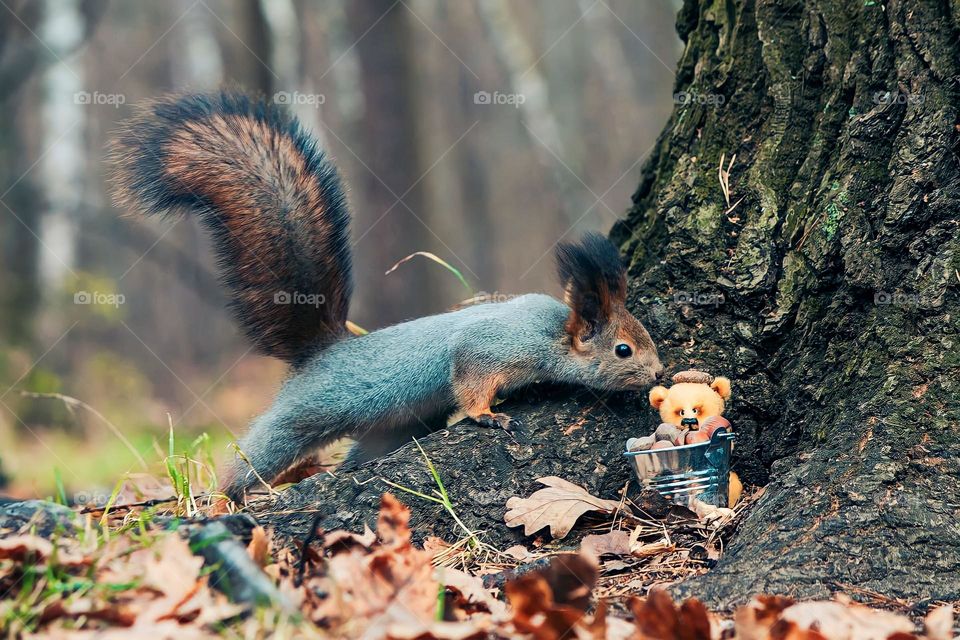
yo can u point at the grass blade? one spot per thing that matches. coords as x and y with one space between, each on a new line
438 260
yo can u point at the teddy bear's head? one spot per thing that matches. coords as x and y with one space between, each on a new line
693 397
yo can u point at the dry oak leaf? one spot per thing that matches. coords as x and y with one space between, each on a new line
847 621
558 507
34 549
549 604
939 623
259 547
767 617
657 618
612 543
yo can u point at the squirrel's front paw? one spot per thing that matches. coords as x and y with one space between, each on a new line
501 420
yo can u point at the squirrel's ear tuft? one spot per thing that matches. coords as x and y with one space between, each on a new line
594 282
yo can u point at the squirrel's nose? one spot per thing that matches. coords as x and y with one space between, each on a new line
659 374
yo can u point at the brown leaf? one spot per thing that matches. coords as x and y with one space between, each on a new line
35 550
753 620
939 623
777 618
550 602
518 552
393 525
657 618
597 627
259 547
535 612
172 571
117 614
472 630
614 543
372 588
558 507
337 541
846 621
470 594
571 578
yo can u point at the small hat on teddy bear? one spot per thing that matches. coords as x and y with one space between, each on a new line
694 376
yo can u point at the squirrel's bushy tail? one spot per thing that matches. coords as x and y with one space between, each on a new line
271 200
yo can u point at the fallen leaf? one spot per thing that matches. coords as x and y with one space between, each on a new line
651 549
259 547
172 571
36 550
393 524
657 618
939 623
754 620
377 587
571 577
518 552
614 543
852 621
473 596
536 613
596 628
336 541
441 630
767 617
613 566
559 506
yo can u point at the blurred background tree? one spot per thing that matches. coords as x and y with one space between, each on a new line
483 131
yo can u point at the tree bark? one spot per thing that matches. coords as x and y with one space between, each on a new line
828 294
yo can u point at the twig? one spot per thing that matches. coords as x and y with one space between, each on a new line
724 176
144 503
71 402
311 536
244 457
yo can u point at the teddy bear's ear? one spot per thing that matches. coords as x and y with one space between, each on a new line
722 386
657 396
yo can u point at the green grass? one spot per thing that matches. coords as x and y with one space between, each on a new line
440 496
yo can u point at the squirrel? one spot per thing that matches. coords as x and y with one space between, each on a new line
276 210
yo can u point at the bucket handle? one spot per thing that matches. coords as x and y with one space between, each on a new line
715 448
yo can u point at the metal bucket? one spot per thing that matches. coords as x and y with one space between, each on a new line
685 473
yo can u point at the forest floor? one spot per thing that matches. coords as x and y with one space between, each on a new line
153 566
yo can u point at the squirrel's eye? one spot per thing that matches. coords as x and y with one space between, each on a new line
623 350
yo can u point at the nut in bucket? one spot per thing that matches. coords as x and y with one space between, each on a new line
687 472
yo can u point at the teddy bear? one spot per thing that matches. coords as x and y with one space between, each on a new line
690 411
694 397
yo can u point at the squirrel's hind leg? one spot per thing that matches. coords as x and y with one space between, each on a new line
274 443
474 393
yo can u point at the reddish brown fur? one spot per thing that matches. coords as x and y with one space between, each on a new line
475 393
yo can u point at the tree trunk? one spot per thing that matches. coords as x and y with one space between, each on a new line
828 294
